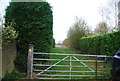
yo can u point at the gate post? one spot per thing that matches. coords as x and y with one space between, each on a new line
96 67
30 61
105 69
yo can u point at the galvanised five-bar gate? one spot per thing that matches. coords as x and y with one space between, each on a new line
67 66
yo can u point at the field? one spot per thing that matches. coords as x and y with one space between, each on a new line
74 67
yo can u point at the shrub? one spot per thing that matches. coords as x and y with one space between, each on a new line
34 22
14 76
53 43
9 34
106 44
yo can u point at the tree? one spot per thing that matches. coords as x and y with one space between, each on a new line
65 43
119 15
78 30
0 20
0 29
109 14
101 28
113 8
34 23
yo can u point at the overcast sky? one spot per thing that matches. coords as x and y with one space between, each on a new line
65 11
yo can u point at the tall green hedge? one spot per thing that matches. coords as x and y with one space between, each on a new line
34 23
106 44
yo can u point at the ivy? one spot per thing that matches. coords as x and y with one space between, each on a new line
9 34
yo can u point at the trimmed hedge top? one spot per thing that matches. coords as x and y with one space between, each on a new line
106 44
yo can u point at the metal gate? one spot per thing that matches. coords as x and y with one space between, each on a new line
67 66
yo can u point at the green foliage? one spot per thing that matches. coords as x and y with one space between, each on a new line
106 44
53 43
9 34
12 76
78 30
34 22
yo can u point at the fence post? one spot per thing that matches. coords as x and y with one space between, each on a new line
105 68
30 61
70 67
96 67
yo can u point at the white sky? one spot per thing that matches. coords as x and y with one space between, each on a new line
65 11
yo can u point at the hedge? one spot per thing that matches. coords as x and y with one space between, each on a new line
106 44
34 23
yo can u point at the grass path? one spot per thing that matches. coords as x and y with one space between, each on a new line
63 50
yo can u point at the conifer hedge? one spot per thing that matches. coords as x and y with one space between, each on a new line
34 23
106 44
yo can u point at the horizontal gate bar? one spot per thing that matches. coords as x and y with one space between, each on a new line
73 79
64 79
69 54
66 71
58 79
70 75
64 65
69 60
